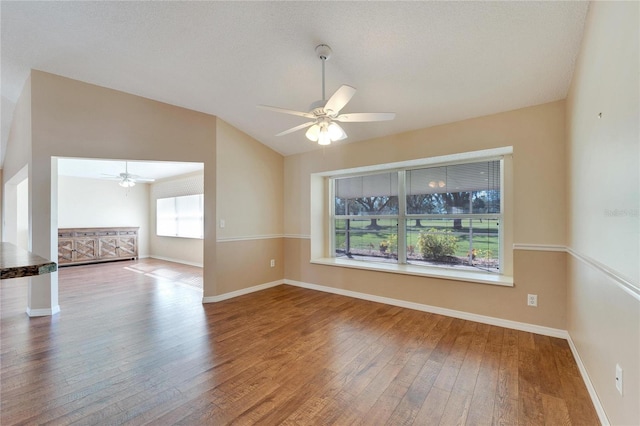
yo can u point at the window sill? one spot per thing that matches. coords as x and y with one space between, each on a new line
421 271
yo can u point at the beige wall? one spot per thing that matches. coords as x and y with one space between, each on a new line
537 213
176 249
249 186
74 119
250 183
86 203
537 137
603 223
246 263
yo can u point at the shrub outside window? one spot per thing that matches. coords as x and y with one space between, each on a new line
438 216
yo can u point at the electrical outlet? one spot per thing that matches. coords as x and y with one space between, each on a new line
273 263
619 378
222 223
532 299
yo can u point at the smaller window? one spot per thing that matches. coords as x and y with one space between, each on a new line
180 216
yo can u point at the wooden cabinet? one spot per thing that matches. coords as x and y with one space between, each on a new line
89 245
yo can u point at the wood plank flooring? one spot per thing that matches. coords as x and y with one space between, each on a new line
134 345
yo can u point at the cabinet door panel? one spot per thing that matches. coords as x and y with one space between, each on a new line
108 247
65 250
128 247
86 249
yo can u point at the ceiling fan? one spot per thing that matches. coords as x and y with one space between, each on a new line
128 180
324 113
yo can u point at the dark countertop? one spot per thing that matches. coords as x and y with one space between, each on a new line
16 262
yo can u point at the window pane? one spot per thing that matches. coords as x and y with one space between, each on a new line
188 206
190 228
367 195
166 224
461 243
456 189
367 239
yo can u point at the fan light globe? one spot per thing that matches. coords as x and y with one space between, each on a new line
336 133
313 133
324 138
127 183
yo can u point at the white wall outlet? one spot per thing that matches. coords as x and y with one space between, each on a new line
222 223
273 263
532 299
619 378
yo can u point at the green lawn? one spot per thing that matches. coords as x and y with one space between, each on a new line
485 234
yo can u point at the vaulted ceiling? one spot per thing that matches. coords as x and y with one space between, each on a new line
429 62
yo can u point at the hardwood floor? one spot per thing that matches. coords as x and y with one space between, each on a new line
134 345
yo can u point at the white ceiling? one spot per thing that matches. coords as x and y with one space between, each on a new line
102 169
430 62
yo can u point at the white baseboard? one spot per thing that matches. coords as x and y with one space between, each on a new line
169 259
43 312
587 381
231 295
532 328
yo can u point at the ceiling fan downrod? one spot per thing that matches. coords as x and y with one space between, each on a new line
324 52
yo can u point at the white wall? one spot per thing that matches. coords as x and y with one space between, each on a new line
176 249
1 201
603 220
22 215
15 221
85 203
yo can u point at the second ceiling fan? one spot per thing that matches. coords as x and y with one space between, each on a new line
324 113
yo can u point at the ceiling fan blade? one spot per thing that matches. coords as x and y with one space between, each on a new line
287 111
359 117
338 100
294 129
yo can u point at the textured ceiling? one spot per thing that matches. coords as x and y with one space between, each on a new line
430 62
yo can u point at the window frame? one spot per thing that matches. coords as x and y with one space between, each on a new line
402 216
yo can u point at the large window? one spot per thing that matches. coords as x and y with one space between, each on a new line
444 216
180 216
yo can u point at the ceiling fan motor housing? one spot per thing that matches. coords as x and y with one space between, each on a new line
323 51
317 108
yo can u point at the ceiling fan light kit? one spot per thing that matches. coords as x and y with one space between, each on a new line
324 113
127 183
325 132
